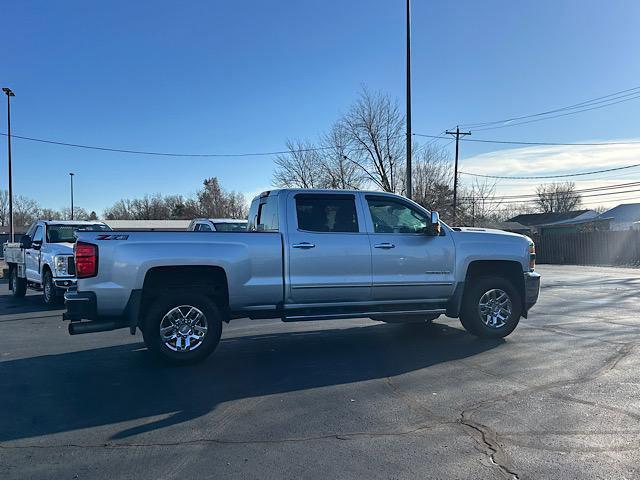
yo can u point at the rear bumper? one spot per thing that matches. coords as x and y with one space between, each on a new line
79 305
83 306
64 282
531 289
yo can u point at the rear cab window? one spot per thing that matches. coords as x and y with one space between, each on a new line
334 213
263 215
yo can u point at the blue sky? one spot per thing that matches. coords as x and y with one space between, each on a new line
242 76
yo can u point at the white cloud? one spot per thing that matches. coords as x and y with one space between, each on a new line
556 160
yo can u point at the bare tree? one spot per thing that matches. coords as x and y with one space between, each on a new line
373 129
479 205
338 170
4 207
25 210
49 214
558 197
301 167
432 180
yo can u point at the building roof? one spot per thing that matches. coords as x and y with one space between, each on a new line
148 224
535 219
626 212
220 220
512 226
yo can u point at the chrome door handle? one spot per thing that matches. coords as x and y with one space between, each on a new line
303 245
384 245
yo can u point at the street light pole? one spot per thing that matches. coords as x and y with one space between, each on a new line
409 188
9 94
71 175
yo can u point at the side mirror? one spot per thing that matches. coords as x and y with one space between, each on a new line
25 241
434 227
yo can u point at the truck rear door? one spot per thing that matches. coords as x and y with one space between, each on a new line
328 251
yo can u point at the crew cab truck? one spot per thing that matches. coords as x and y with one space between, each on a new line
43 259
306 255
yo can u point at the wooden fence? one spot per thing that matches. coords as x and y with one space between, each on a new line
589 248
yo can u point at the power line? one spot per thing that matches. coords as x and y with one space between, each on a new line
508 142
557 116
164 154
539 177
501 201
612 97
580 191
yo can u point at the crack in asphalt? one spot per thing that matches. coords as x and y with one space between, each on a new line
331 436
488 438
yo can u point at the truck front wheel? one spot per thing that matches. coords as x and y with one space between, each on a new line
18 285
182 328
491 307
50 292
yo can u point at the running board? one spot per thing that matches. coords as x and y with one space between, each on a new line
338 316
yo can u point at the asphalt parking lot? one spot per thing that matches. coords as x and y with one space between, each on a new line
559 398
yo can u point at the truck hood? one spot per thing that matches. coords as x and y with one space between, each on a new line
60 248
487 231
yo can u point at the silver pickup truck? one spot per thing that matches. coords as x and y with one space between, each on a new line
306 255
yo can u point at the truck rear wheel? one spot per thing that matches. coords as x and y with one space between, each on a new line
491 307
182 328
18 285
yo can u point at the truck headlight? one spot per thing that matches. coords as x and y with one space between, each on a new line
60 263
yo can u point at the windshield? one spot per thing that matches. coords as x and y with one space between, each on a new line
231 227
67 233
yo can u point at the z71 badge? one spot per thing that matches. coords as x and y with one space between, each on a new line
112 237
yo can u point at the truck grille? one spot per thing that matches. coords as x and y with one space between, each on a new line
71 266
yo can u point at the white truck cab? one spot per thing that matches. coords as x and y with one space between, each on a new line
43 259
217 225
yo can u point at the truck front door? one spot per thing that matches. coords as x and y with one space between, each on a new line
407 263
32 255
328 251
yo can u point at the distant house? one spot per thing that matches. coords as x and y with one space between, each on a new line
148 224
623 217
535 222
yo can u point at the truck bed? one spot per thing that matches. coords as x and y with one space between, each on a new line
252 262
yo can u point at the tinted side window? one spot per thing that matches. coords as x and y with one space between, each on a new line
327 213
38 235
392 216
268 215
205 228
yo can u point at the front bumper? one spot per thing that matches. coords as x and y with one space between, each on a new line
531 289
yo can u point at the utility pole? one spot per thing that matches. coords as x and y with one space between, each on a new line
71 175
458 134
9 94
409 189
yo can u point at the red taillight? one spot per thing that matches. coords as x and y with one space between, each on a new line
86 255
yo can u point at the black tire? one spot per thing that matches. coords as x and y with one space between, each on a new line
470 313
161 306
50 292
18 285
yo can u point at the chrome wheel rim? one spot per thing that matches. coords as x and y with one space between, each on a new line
495 308
183 328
